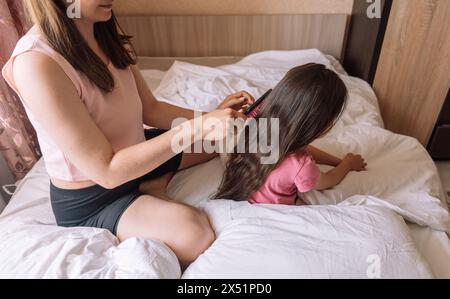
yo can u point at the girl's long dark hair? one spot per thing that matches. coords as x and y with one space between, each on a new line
63 36
307 102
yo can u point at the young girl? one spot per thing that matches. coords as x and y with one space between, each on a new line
307 102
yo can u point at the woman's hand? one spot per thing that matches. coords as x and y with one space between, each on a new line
355 162
217 124
237 101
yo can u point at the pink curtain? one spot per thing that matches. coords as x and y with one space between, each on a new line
18 143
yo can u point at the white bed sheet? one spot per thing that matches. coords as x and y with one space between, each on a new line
415 196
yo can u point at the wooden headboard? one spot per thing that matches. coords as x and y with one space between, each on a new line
231 7
234 28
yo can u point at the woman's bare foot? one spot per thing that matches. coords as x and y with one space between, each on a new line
157 187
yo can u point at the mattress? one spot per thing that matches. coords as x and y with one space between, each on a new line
390 222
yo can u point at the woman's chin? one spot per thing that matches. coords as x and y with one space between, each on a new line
99 18
104 15
106 18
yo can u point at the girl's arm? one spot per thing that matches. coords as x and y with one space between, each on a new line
336 175
55 103
161 115
322 157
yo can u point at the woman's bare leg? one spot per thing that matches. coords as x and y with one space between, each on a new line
157 187
184 229
192 159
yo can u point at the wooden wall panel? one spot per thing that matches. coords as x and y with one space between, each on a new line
164 63
190 36
230 7
413 74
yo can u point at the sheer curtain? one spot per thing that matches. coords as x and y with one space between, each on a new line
18 143
2 203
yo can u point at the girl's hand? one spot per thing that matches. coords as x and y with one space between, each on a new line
216 124
237 101
355 162
335 176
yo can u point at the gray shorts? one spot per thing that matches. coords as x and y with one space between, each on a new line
99 207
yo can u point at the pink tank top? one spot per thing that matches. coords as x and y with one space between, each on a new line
118 114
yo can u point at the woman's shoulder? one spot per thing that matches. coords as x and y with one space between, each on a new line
32 52
33 63
32 39
32 44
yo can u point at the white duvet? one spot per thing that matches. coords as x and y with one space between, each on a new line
355 230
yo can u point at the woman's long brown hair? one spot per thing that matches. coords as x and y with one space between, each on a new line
63 36
307 102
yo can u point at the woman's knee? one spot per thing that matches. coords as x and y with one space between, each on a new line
198 235
186 230
206 231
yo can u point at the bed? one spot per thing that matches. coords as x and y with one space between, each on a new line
389 222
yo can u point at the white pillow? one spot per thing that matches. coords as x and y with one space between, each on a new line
399 171
397 165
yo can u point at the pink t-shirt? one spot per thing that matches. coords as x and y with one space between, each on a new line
297 173
118 114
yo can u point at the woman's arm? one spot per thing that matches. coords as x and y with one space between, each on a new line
322 157
157 114
55 103
161 115
336 175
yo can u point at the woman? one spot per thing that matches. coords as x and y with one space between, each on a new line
88 102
